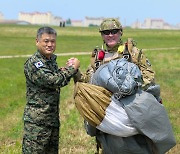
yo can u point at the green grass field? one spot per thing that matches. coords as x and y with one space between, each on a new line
20 40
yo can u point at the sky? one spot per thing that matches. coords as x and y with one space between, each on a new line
128 11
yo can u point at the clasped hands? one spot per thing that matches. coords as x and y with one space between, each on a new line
73 62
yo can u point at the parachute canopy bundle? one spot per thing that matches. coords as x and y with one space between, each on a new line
91 101
115 105
95 106
119 76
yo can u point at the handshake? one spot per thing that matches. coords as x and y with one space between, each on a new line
73 62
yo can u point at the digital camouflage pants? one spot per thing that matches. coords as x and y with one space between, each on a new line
40 139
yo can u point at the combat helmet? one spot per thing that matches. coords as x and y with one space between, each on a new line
110 23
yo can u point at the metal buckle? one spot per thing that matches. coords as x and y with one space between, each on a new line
97 64
126 56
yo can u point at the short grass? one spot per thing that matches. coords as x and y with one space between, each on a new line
21 40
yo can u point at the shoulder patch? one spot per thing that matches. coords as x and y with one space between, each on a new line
38 64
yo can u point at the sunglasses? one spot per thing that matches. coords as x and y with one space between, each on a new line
107 32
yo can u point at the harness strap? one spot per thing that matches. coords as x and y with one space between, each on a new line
98 146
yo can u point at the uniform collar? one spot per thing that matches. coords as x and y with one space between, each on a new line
43 58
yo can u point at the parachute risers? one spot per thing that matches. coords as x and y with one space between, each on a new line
91 102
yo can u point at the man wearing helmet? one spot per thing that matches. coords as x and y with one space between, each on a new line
111 32
113 47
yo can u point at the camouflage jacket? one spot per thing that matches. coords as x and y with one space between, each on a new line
43 82
135 55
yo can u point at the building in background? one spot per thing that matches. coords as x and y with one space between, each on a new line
38 18
87 22
152 24
47 18
91 21
76 23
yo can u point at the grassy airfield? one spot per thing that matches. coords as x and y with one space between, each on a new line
161 47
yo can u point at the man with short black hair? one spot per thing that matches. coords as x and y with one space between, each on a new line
43 82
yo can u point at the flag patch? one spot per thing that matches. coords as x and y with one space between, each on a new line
39 64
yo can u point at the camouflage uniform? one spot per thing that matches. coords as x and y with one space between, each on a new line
130 52
111 144
41 114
